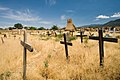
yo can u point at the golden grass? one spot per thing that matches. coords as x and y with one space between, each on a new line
48 60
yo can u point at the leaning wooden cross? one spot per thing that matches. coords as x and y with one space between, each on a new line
2 40
81 36
26 47
66 47
101 44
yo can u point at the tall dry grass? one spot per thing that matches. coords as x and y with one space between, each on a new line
48 60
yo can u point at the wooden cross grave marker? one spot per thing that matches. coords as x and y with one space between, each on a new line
66 47
81 36
2 40
26 47
101 44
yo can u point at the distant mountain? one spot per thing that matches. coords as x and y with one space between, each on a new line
93 25
110 24
113 23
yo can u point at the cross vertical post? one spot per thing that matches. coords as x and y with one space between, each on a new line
81 37
24 57
66 48
101 47
26 47
2 40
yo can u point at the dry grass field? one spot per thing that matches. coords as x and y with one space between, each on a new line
48 61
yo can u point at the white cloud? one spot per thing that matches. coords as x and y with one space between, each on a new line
50 2
45 22
63 17
3 8
116 15
102 17
25 15
70 11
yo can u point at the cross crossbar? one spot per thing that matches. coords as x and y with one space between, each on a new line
68 43
27 46
104 39
80 35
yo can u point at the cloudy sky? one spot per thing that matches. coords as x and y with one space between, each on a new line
55 12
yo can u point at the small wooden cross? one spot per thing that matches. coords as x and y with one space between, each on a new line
101 44
2 40
26 47
66 48
81 36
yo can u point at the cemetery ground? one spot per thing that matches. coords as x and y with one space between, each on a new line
48 60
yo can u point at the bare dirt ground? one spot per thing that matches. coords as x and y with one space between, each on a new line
48 60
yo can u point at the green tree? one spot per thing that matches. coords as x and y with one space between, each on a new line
26 27
41 28
32 28
18 26
10 28
54 27
1 28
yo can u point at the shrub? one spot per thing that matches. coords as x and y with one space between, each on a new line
59 37
118 36
71 38
86 40
5 75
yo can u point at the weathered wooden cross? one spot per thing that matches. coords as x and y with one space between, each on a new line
26 47
101 44
66 48
81 36
2 40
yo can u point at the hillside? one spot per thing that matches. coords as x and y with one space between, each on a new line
110 24
113 23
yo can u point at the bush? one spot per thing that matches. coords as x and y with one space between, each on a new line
32 28
5 75
46 38
54 27
71 38
118 36
86 40
59 37
41 28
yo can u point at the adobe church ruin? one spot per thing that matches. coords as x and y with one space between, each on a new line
70 26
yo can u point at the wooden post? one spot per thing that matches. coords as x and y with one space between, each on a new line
101 49
81 37
2 40
24 57
66 47
14 36
72 33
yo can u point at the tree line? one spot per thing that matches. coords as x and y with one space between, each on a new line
20 26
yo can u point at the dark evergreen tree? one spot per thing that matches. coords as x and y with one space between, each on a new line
41 28
18 26
54 27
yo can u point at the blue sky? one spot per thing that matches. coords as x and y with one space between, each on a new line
56 12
